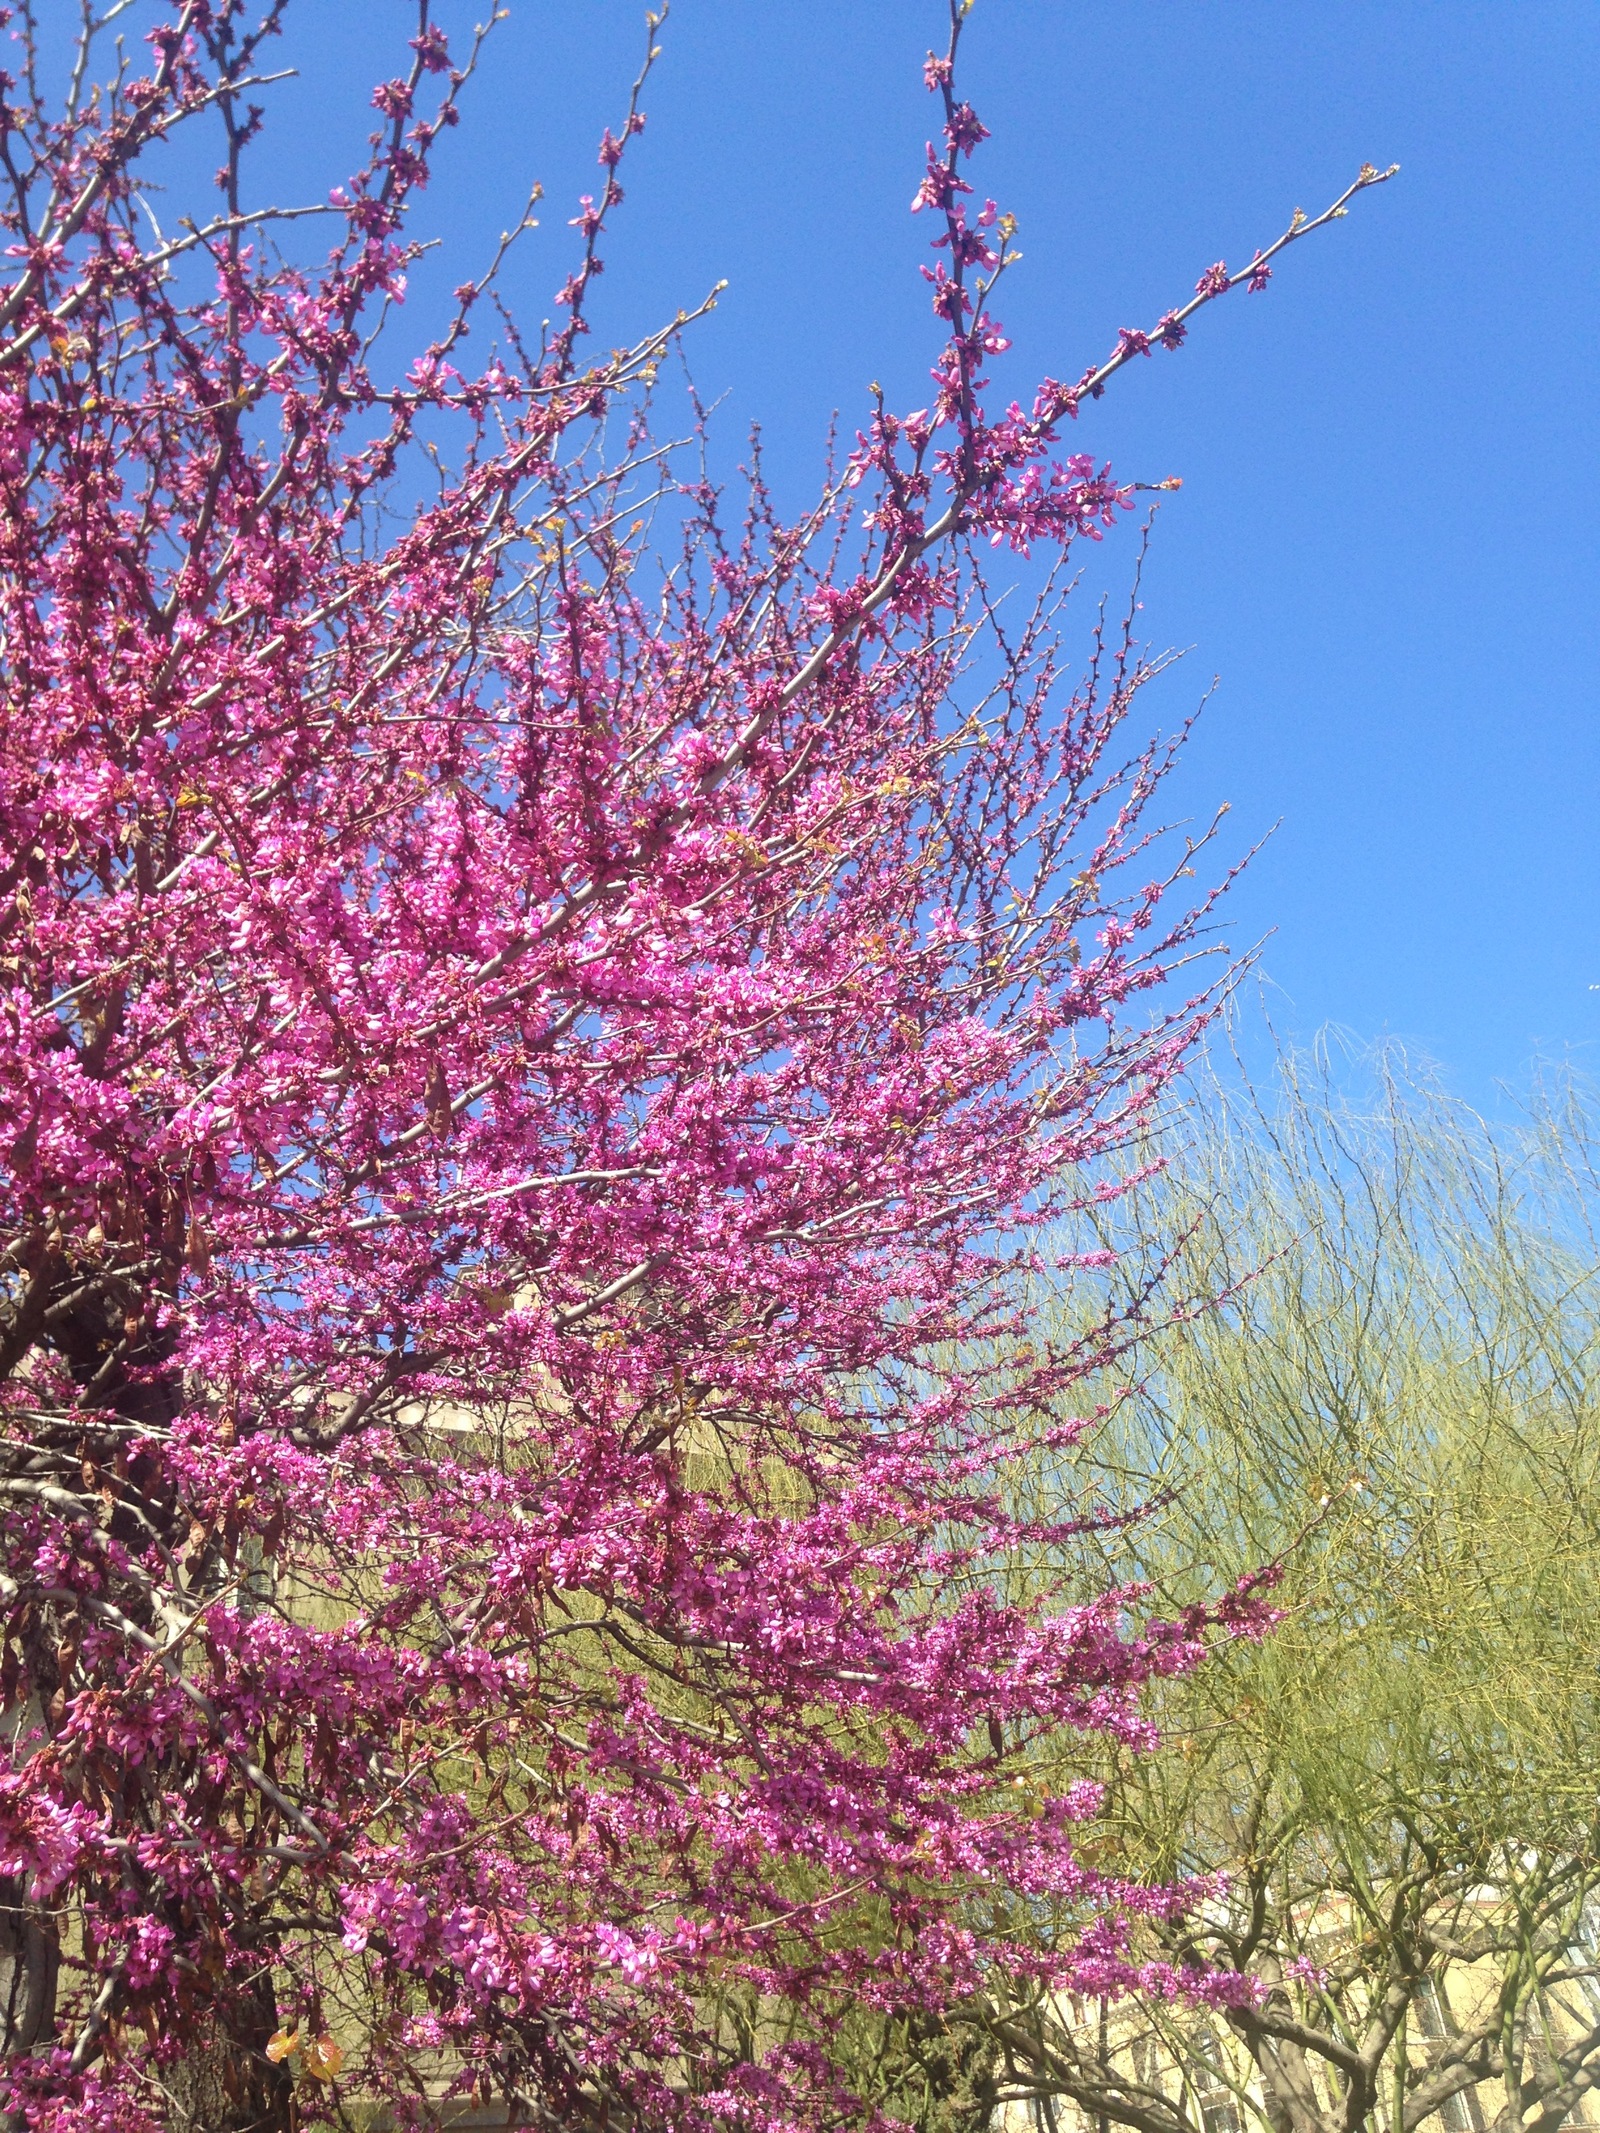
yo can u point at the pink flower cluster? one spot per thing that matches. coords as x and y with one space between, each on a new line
521 1053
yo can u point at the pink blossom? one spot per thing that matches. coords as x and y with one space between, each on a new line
544 1015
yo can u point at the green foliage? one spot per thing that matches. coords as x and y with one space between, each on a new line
936 2074
1399 1400
1387 1383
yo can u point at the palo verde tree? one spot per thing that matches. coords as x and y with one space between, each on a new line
1398 1791
525 1015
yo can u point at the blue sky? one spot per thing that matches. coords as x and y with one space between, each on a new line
1385 546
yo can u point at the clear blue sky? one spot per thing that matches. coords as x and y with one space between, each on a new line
1386 541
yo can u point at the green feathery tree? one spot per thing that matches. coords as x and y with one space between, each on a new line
1393 1801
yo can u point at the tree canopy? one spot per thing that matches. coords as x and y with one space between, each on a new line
537 997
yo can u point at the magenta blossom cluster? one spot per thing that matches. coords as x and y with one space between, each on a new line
537 1022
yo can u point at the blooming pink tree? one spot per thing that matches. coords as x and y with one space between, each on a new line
533 1013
